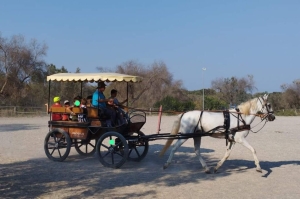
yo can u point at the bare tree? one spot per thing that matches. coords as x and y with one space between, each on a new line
157 83
233 90
18 62
291 94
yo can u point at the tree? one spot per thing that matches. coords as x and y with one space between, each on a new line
157 84
291 94
19 61
233 90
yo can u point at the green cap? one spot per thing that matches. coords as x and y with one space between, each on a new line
77 103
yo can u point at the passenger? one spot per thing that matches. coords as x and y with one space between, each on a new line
113 94
83 117
76 103
89 101
99 101
118 105
56 116
111 108
66 116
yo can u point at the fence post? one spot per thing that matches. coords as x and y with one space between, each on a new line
159 118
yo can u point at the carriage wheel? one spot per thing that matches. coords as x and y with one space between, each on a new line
138 148
112 149
85 147
57 145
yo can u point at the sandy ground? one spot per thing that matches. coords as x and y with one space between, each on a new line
26 172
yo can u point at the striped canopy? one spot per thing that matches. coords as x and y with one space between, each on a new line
94 77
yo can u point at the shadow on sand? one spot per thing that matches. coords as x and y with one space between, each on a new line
81 177
17 127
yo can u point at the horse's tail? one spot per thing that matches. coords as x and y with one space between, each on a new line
174 131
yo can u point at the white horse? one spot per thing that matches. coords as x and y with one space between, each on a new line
234 125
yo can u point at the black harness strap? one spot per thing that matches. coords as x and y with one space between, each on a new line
226 125
199 121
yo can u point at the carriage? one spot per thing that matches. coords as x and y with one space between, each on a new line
113 145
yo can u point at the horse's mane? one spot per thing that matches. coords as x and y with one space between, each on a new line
245 107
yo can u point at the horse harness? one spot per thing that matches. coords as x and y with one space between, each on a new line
226 126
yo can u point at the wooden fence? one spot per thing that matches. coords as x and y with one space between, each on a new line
13 111
21 111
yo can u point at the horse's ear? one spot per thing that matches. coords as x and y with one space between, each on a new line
265 97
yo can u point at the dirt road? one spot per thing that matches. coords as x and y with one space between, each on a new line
26 172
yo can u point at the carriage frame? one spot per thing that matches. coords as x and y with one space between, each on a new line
113 145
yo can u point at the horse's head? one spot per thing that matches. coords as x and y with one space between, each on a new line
265 108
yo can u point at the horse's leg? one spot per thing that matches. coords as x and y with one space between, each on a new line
245 143
197 142
228 151
174 149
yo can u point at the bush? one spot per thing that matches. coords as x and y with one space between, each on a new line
172 104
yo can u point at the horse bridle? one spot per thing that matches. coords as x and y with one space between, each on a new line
264 116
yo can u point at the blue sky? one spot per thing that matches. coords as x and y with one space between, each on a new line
228 38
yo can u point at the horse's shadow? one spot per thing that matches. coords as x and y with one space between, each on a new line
230 164
265 165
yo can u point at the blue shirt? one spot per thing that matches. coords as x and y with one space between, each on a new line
96 96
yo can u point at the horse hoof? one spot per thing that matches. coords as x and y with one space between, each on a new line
165 166
207 171
215 170
259 170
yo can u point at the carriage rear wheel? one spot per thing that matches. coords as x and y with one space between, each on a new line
138 148
85 147
112 149
57 145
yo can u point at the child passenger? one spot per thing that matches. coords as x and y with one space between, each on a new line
66 116
56 116
83 116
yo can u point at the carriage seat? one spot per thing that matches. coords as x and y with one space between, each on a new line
94 113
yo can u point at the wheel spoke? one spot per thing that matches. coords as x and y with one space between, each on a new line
52 151
86 148
112 158
130 150
137 152
59 153
118 144
104 146
51 143
106 154
121 155
92 145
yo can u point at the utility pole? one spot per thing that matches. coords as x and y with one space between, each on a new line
203 69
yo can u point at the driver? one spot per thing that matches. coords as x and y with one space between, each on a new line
99 101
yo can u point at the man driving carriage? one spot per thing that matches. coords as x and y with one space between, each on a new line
99 101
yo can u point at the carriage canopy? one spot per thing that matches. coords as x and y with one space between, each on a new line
93 77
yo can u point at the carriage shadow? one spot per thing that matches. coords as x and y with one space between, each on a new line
17 127
82 177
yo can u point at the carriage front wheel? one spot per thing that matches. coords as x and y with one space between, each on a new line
138 147
57 145
112 149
